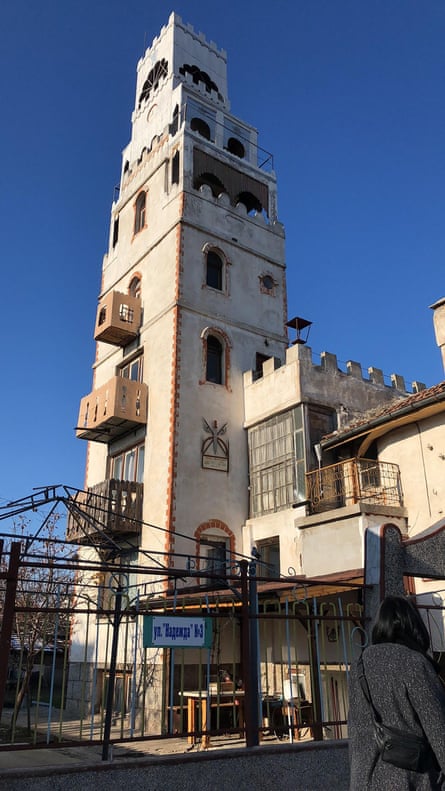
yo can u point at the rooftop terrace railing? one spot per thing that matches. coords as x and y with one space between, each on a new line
353 481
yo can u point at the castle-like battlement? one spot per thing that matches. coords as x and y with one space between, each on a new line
301 380
176 19
329 364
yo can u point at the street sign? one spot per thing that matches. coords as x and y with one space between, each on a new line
177 631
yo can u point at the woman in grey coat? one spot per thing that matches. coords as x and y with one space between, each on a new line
408 694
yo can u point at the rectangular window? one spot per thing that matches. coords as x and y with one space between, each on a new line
140 464
277 462
269 563
115 231
126 314
259 360
129 465
175 168
133 370
214 556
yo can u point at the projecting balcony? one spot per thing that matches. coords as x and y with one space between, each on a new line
110 508
118 319
112 409
353 481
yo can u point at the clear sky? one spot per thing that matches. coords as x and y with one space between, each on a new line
348 95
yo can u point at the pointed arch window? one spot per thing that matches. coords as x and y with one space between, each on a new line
140 211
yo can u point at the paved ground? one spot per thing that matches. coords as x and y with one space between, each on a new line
70 755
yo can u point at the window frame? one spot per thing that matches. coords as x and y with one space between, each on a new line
211 250
140 212
128 459
265 547
217 357
132 369
134 287
277 462
215 544
214 266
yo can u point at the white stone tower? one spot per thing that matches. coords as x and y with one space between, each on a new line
193 294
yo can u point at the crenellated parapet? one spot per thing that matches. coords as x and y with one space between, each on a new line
302 379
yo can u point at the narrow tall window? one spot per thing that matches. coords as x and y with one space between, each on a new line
216 560
134 288
115 231
175 168
139 214
214 362
214 276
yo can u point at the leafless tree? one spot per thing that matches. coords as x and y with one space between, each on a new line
45 592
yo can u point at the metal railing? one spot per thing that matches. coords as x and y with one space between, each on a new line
353 481
275 665
112 506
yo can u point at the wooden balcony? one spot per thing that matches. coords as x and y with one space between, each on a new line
112 410
111 508
353 481
118 319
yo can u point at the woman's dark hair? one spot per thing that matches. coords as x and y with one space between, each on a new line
398 621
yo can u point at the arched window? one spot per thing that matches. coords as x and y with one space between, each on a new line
250 201
200 126
139 212
214 360
158 72
214 270
236 147
134 289
211 181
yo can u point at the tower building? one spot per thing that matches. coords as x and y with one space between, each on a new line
193 294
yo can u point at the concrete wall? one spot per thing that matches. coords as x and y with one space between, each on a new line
299 379
298 767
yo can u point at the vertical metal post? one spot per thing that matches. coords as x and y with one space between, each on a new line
8 618
249 690
254 711
112 675
317 700
135 667
53 667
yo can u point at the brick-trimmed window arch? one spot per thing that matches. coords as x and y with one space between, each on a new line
134 287
215 356
215 546
216 268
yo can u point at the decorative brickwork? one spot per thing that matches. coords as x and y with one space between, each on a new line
175 387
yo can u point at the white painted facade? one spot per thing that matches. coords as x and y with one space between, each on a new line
176 107
332 542
196 168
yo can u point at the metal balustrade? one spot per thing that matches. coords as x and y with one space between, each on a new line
353 481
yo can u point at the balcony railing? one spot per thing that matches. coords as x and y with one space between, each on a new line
118 319
110 508
353 481
112 409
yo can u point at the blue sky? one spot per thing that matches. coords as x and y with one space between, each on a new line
348 95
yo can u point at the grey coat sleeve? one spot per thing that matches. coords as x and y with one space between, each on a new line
427 696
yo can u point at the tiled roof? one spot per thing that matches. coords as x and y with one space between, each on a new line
414 402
